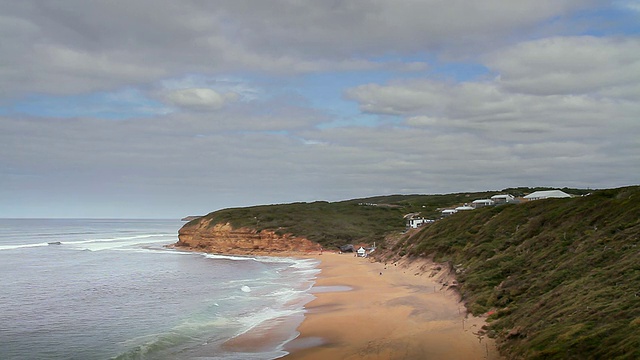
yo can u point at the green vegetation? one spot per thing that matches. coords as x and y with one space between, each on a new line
561 275
329 224
352 221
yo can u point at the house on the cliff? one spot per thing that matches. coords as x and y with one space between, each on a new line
547 194
448 212
501 199
482 203
464 207
415 223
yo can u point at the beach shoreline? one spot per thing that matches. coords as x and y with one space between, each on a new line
364 309
372 310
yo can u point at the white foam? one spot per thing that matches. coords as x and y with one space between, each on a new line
98 245
112 239
228 257
277 259
151 250
265 314
21 246
291 297
305 263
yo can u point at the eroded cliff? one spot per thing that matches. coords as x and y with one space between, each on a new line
224 239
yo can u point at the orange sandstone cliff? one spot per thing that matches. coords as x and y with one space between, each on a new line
224 239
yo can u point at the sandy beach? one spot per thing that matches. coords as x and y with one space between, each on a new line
369 310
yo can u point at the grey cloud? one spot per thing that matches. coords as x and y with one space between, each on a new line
199 98
442 161
551 118
179 162
545 136
185 164
74 46
400 98
569 65
489 108
346 27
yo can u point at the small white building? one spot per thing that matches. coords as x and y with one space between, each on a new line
503 199
482 203
465 207
539 195
447 212
361 252
415 223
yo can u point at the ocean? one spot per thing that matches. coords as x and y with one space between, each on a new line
109 289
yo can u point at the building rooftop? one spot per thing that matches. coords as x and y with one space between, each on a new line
547 194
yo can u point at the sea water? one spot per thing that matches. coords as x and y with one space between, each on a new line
109 289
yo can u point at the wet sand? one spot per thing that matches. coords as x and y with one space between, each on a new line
369 310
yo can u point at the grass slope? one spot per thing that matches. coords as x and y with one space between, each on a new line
330 224
338 223
563 275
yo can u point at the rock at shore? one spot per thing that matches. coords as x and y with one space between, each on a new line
223 238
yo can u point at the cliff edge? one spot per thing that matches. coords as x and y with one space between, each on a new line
222 238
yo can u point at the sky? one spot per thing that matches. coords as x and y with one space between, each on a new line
162 109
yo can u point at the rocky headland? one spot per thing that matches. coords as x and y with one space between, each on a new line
201 235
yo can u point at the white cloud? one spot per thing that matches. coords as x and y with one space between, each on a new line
365 27
400 98
633 5
569 65
562 87
422 120
489 109
73 46
200 98
237 89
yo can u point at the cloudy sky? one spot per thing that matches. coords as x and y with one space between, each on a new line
160 108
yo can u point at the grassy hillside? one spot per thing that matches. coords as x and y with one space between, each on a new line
330 224
562 275
359 220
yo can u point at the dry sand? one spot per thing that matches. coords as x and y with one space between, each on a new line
369 310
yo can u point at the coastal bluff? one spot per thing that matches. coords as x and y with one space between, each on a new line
556 278
223 238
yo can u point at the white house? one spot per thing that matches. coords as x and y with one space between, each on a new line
415 223
361 252
503 199
464 208
538 195
482 203
447 212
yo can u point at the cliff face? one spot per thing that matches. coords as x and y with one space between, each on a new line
224 239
